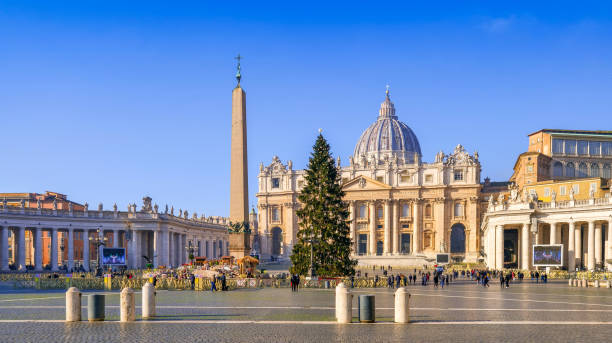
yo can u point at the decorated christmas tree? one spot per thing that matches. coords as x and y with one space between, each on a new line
323 236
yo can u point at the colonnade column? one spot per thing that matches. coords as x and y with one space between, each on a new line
135 253
499 247
387 243
22 250
553 233
353 226
578 245
598 249
156 248
372 240
416 231
4 244
591 247
571 247
525 244
609 250
38 251
396 236
86 257
54 249
70 249
165 249
115 238
182 247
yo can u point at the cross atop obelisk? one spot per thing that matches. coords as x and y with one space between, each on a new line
238 75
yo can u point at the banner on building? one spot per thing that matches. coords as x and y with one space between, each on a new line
113 256
548 255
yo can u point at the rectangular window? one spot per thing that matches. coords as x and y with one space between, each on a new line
546 192
379 213
363 244
562 190
593 186
380 179
594 148
275 214
557 146
405 210
606 148
576 189
583 148
275 182
363 211
570 147
405 226
428 178
458 175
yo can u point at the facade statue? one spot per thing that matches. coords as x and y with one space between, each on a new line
592 193
261 167
115 207
290 164
180 212
146 204
86 207
513 194
571 194
4 203
166 210
22 203
524 196
155 208
172 211
100 207
553 196
491 202
70 206
500 199
55 204
186 215
38 204
534 197
476 155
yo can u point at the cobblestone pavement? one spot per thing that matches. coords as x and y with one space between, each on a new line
462 312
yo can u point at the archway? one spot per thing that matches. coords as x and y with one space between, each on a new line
277 239
457 239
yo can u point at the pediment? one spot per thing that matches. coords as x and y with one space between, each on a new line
361 183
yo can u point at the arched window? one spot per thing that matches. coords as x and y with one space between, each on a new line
458 210
594 170
606 171
557 169
583 170
570 170
428 211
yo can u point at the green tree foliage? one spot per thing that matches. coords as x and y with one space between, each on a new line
323 219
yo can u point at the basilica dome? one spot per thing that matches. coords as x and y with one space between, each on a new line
387 137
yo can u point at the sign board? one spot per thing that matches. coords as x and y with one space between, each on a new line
113 256
442 258
548 255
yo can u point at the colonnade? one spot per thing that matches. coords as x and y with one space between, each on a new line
586 244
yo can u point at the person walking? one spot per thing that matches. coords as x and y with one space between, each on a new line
192 281
501 279
213 286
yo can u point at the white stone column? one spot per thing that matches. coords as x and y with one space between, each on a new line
416 227
22 249
609 249
591 247
38 251
165 250
183 250
553 233
395 223
70 249
571 247
353 217
54 249
499 247
578 246
372 238
135 249
525 245
5 246
156 248
86 256
387 242
115 238
598 249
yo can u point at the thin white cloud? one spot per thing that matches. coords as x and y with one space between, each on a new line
498 25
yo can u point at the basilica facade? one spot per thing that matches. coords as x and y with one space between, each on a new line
402 210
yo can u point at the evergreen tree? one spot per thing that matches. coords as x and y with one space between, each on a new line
323 219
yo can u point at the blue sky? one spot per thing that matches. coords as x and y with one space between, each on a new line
109 102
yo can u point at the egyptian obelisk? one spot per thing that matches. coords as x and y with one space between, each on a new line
239 182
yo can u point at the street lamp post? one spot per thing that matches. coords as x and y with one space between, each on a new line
98 241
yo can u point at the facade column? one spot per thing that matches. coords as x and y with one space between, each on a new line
578 246
591 247
499 247
525 245
372 238
70 249
5 246
416 226
38 251
598 248
54 249
553 233
387 242
395 221
170 249
22 250
353 226
183 250
609 249
86 257
571 247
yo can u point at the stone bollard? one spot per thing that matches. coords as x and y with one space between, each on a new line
585 283
73 305
402 305
128 305
576 283
148 300
570 282
344 304
608 284
596 284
